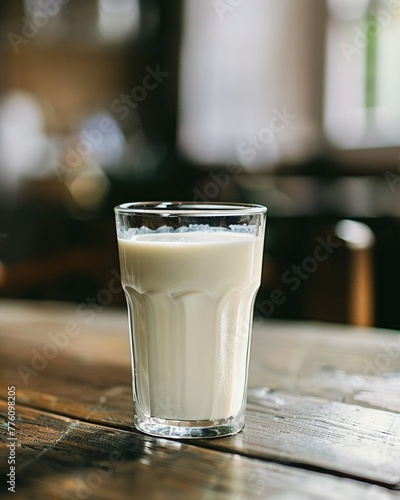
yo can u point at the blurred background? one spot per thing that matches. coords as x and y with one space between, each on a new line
289 104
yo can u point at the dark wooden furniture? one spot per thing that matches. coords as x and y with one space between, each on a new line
322 419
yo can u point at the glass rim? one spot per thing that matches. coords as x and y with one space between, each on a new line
188 208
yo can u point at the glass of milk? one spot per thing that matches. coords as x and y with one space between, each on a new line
190 272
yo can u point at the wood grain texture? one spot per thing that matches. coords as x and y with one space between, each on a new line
63 458
335 362
326 435
318 408
338 437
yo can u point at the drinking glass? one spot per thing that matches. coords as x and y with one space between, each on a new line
190 272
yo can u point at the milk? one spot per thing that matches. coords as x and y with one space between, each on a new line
191 296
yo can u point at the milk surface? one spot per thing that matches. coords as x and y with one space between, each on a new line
191 297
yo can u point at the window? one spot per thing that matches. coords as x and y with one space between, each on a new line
362 105
251 81
332 68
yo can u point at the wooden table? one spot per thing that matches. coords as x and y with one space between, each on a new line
322 419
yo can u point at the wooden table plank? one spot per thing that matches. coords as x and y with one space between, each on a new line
64 458
381 392
321 360
327 435
89 379
336 362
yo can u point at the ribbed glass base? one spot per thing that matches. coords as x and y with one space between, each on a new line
189 429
